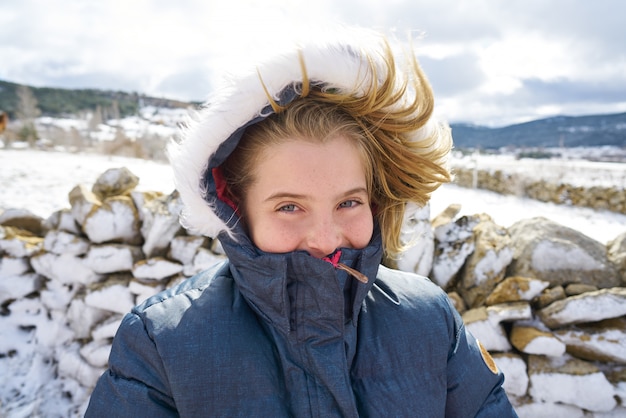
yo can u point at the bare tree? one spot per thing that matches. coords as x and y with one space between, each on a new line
111 112
4 121
95 120
27 112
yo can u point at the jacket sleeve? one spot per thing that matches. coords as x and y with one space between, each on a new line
135 383
474 381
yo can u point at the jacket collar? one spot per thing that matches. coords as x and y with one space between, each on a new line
291 290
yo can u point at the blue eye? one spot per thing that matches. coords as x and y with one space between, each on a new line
348 204
287 208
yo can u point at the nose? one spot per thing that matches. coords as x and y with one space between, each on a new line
323 238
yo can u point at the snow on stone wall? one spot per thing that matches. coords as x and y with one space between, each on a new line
505 180
547 301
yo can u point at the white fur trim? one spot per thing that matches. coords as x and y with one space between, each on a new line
239 101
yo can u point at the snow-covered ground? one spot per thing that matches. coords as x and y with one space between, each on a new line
151 120
40 182
572 168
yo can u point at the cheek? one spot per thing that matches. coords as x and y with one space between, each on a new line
361 230
272 237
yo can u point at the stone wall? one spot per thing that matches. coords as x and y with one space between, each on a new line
598 197
547 301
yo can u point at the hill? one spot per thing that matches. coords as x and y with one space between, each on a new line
560 131
56 102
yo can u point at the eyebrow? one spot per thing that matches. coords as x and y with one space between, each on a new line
296 196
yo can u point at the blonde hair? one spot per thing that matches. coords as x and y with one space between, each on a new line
405 157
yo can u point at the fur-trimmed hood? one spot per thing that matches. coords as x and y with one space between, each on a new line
342 63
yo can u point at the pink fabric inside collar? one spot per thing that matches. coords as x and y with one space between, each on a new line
333 258
220 188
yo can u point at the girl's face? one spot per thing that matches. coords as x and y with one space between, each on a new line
309 196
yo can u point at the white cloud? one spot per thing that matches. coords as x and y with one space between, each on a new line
178 49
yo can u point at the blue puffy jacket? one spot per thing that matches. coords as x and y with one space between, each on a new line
278 335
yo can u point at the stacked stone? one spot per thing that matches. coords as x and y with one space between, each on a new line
611 198
69 279
546 300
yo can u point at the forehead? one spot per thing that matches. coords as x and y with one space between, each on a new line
298 164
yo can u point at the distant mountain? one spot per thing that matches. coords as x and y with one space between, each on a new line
566 131
560 131
65 102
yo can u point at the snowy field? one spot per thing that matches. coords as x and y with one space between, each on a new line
40 182
571 169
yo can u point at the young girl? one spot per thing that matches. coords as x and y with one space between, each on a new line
303 171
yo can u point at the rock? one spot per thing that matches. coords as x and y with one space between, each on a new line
27 312
10 266
603 341
11 338
65 268
533 340
112 298
584 308
175 281
81 316
112 258
71 365
16 287
417 235
617 377
446 216
115 182
549 410
83 202
53 332
115 220
106 329
22 219
617 255
202 261
62 220
18 242
453 244
143 291
619 412
567 380
141 198
485 323
160 223
57 295
548 296
183 248
62 242
516 289
457 301
486 266
96 353
514 369
548 251
578 288
111 295
155 269
216 247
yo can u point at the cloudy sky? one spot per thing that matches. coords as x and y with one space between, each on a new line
491 62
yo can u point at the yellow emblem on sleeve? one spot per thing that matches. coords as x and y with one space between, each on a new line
491 364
